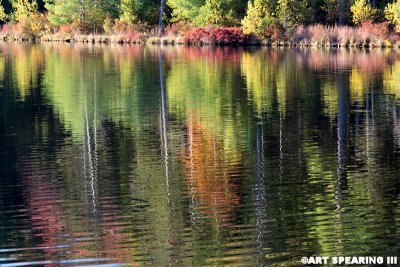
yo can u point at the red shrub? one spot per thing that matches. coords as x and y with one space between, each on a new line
276 33
132 36
8 28
120 26
216 36
395 36
175 29
67 29
375 30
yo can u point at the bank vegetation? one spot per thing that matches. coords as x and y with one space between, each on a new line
324 23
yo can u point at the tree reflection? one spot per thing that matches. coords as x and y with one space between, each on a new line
212 155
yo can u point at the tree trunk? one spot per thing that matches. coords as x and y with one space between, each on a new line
160 21
341 11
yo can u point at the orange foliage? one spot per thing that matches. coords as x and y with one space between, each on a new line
214 188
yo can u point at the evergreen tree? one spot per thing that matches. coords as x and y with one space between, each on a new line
216 12
134 11
293 12
185 10
337 11
208 12
89 15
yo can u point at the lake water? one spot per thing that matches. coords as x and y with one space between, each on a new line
125 155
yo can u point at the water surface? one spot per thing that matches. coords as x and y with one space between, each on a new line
124 155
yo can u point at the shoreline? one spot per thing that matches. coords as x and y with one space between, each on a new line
181 41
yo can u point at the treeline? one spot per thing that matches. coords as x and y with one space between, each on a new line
257 17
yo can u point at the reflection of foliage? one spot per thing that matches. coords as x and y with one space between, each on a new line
76 93
249 149
69 93
203 160
330 99
259 81
26 72
391 80
214 84
358 84
2 67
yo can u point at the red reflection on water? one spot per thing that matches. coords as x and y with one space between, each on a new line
208 176
65 231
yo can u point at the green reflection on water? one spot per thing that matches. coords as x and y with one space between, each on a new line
198 155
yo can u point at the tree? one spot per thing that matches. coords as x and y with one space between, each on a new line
259 16
278 13
362 11
89 15
134 11
208 12
216 12
31 23
23 9
3 14
293 12
392 13
185 10
60 12
337 11
160 20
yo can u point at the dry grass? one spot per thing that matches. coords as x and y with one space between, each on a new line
366 35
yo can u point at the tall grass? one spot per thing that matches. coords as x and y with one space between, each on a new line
368 34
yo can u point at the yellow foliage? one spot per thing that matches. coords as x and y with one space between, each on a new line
29 59
362 11
257 19
391 80
330 98
358 83
259 81
392 13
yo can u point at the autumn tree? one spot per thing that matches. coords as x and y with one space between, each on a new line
3 14
23 9
260 14
392 13
30 22
280 13
362 11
